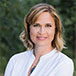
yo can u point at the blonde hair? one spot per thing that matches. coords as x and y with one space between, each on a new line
30 19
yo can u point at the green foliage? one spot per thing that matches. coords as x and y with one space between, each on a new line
74 67
12 13
3 63
11 22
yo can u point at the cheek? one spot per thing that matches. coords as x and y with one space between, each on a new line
33 33
51 34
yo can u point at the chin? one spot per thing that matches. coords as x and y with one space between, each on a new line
41 44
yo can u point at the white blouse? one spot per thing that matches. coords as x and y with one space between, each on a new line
52 64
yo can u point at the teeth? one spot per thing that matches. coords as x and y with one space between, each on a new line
41 37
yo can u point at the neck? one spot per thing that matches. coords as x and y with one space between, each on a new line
42 50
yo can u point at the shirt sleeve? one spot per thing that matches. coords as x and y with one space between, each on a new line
65 69
9 68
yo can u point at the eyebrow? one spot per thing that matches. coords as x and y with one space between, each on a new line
40 24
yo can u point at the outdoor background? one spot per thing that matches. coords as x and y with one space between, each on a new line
12 13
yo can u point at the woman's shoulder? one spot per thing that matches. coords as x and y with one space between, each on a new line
65 60
21 56
65 57
65 65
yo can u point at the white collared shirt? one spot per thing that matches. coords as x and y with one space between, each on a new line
52 64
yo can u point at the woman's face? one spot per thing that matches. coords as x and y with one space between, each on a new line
43 30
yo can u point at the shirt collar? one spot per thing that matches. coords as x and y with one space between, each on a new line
50 54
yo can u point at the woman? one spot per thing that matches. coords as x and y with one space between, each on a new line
44 41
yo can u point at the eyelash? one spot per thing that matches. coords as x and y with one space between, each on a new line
48 25
37 25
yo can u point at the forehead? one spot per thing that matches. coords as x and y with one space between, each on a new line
45 17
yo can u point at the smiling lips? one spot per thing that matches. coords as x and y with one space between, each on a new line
41 38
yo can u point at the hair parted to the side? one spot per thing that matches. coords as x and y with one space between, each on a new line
30 19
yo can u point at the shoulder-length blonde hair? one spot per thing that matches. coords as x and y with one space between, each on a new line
30 19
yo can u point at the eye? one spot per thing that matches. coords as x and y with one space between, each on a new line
48 25
36 25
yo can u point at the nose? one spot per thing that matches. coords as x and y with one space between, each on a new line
42 30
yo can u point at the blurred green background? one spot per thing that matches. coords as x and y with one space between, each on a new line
12 13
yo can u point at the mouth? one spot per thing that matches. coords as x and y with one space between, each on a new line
41 38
